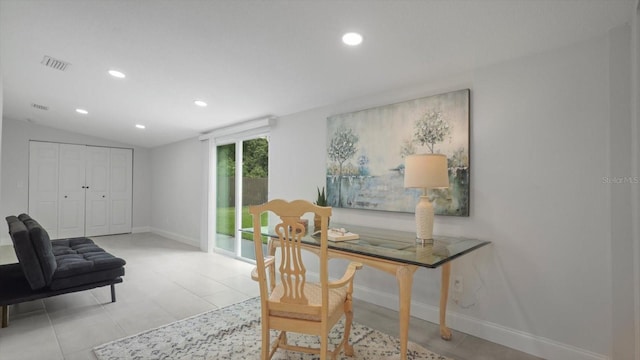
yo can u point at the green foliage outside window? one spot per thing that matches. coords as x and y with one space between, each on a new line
256 159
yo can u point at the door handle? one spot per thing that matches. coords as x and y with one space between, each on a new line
65 196
103 196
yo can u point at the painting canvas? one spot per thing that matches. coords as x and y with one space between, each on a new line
366 151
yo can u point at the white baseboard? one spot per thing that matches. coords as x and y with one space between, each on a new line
515 339
140 229
176 237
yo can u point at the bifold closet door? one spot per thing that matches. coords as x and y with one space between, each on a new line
43 185
109 191
97 191
121 190
79 190
71 191
56 188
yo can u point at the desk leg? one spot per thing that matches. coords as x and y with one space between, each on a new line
404 275
445 332
5 316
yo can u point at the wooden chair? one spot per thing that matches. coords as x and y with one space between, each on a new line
291 304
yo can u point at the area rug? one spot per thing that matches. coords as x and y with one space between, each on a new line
233 332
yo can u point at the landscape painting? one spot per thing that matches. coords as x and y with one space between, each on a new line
366 151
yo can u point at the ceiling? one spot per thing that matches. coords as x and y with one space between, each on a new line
249 59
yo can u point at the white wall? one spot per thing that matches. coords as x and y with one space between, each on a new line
542 135
635 193
1 102
15 169
176 191
621 153
540 148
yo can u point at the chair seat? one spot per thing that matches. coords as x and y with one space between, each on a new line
313 292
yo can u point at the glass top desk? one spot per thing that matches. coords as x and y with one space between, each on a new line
396 253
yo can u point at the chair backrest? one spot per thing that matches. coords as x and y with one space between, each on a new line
291 269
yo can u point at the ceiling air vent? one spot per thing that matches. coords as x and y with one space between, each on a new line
55 63
39 107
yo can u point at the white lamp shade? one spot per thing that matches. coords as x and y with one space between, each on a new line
426 171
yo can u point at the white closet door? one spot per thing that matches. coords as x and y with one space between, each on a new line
97 195
71 193
43 185
121 179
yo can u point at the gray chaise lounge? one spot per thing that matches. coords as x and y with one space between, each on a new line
52 267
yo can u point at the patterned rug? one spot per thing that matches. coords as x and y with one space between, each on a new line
233 332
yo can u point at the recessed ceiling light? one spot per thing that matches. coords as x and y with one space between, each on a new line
140 126
200 103
82 111
116 73
352 39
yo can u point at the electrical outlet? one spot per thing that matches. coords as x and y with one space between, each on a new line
457 284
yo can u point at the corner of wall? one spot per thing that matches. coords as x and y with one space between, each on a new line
635 74
177 237
1 117
623 207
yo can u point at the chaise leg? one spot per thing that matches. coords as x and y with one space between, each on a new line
5 316
113 293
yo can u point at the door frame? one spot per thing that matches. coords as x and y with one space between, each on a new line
239 132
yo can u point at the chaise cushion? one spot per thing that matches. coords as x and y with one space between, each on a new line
25 253
42 246
80 261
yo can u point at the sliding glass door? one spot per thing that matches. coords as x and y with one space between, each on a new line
226 197
241 180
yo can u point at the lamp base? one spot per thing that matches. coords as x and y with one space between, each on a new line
424 241
424 221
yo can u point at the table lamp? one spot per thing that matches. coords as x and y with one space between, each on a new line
425 171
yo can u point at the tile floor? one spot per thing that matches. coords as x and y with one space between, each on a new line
166 281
